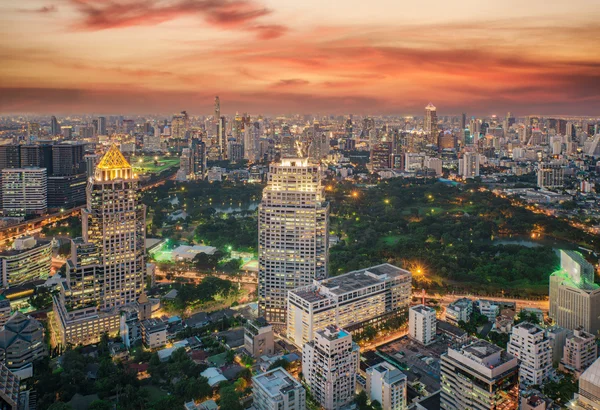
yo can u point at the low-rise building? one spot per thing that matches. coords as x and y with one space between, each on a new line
154 333
387 385
459 310
422 324
278 390
579 353
259 338
348 301
488 309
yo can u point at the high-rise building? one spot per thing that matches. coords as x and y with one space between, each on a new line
588 397
381 154
107 266
349 301
278 390
574 297
222 140
22 344
185 165
293 234
550 175
529 344
198 152
422 324
54 126
28 260
434 164
152 140
463 121
9 389
579 353
431 124
24 191
217 115
102 126
67 177
180 125
468 165
479 375
33 131
387 385
329 364
235 151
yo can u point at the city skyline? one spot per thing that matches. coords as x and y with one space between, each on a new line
270 57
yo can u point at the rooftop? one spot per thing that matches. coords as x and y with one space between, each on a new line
363 278
276 381
481 349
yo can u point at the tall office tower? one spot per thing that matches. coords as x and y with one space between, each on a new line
30 156
574 297
561 127
102 126
24 191
10 156
251 141
198 152
91 160
217 115
529 344
422 324
550 175
319 146
579 352
107 266
349 301
380 158
387 385
468 165
67 176
292 234
278 390
349 128
222 137
54 126
33 131
479 375
180 125
431 124
463 121
235 152
9 389
329 364
28 260
288 147
588 397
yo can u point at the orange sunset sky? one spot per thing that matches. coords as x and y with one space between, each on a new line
305 56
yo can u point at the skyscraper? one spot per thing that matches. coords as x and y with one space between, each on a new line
222 137
329 365
101 125
430 126
24 191
198 152
293 234
54 126
180 125
107 268
217 108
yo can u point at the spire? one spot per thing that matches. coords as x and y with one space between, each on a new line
113 165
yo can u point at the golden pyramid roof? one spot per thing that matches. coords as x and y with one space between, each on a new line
113 159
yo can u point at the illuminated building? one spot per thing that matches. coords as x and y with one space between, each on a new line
24 191
222 138
579 353
33 131
387 385
479 375
28 260
107 266
277 390
350 301
529 344
198 158
180 125
381 154
468 165
550 175
574 297
422 324
431 124
329 364
293 234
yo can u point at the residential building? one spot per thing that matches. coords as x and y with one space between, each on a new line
24 191
293 234
550 175
588 397
278 390
431 124
422 324
349 301
258 337
5 310
579 353
468 165
574 297
26 261
488 308
9 389
459 310
154 333
529 344
558 339
479 375
22 344
387 385
329 365
107 266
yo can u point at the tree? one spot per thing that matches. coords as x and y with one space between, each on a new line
362 401
230 399
59 405
280 363
101 405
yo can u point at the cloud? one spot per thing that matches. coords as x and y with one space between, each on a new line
224 14
42 10
291 82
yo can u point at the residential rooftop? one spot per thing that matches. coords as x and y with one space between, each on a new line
276 381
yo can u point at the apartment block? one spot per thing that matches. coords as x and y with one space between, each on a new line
579 353
529 343
278 390
258 337
422 324
387 385
459 310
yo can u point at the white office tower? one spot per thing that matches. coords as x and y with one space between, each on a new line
278 390
528 343
24 191
292 234
387 385
422 324
588 397
107 267
574 297
579 353
479 375
329 365
349 301
468 165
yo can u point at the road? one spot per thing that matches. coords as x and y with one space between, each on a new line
445 300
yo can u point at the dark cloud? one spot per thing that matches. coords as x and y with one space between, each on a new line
290 82
224 14
42 10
